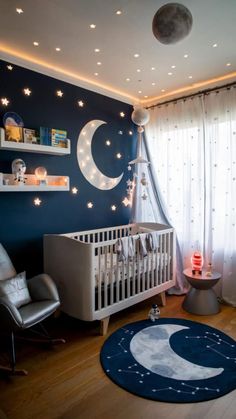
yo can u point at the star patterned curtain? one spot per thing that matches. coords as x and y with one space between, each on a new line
192 144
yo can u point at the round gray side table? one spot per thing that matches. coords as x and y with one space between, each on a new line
201 299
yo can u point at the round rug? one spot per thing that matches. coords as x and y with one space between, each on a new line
171 360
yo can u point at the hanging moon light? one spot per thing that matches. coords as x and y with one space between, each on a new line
171 23
140 116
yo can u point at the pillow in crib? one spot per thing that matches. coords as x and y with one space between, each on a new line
15 290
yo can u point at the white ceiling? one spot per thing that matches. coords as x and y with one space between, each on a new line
65 24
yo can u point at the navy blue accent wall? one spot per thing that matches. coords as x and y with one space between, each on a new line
22 224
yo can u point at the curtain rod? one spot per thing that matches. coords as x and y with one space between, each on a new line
201 92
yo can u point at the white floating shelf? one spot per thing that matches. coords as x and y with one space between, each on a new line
54 183
32 148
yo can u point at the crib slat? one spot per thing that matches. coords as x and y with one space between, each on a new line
164 258
160 262
128 278
123 280
168 257
133 264
105 279
152 269
99 279
138 270
117 280
111 277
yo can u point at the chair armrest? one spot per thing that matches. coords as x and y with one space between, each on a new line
10 316
41 287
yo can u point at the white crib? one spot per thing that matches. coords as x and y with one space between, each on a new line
93 283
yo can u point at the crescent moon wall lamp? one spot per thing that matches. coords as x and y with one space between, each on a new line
86 162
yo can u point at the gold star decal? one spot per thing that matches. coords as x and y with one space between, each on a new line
27 91
5 101
80 103
37 202
59 93
10 67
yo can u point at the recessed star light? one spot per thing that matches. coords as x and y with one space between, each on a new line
215 45
119 155
122 114
140 91
108 143
58 49
27 91
173 66
153 84
162 90
113 207
170 74
96 50
127 79
228 64
153 68
185 55
5 101
138 70
59 93
96 74
80 103
92 26
99 63
37 202
19 10
10 67
130 132
136 55
74 190
146 96
190 77
90 205
119 12
36 44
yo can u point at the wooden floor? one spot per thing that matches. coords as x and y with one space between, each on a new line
68 381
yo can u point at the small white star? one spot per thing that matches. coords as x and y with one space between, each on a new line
10 67
126 202
119 155
122 114
27 91
74 190
5 101
59 93
90 205
18 10
108 143
37 201
80 103
113 207
129 168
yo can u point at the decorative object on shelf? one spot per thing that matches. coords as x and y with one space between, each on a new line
209 270
86 162
197 261
154 313
18 170
12 119
54 183
58 138
171 23
14 134
41 175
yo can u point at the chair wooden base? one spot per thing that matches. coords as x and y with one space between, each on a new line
12 371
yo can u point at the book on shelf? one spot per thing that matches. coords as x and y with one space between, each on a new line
58 138
13 133
31 136
45 136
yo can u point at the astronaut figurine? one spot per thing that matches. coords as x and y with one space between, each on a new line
154 313
18 170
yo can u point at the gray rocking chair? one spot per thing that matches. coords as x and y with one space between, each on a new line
24 304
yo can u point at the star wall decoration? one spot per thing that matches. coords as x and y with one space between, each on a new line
5 101
59 93
27 91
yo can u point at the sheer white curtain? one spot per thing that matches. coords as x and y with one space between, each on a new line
192 146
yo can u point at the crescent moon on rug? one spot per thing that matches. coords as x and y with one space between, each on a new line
151 348
86 162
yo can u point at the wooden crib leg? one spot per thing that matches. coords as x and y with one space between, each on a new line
163 298
104 325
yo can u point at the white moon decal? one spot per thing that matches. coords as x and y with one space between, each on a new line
151 348
85 159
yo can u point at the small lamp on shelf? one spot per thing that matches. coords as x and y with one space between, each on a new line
197 263
41 175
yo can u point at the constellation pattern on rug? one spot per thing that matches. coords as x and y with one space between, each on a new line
193 390
217 341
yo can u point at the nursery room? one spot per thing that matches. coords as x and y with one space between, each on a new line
117 209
